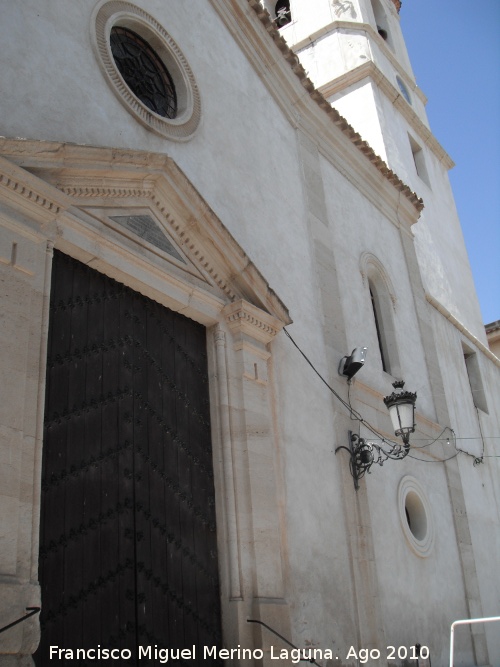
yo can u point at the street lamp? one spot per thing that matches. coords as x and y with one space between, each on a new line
401 406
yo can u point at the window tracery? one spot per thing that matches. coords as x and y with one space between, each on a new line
143 71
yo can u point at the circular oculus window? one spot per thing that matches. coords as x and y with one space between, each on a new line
144 72
415 516
146 69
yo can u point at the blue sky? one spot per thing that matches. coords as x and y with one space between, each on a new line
454 47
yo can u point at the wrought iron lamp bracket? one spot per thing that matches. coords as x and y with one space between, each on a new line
363 454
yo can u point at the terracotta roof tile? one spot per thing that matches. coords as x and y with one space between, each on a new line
339 120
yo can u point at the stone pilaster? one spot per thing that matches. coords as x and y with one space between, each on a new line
256 472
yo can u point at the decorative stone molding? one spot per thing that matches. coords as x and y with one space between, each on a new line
224 402
187 241
372 268
370 70
415 516
89 185
16 186
13 262
254 362
117 12
90 178
29 194
105 193
458 325
243 318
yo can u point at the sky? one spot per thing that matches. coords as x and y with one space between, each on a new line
454 48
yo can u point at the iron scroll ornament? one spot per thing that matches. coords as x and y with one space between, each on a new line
363 454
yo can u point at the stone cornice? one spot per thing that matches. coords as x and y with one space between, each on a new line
357 26
493 336
84 177
244 318
284 77
493 332
88 195
458 325
370 70
28 192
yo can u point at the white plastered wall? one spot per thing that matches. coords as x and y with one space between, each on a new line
246 162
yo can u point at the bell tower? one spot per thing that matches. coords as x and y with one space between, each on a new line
355 54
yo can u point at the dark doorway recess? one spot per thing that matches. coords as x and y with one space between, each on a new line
128 553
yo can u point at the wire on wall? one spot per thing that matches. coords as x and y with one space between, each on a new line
356 416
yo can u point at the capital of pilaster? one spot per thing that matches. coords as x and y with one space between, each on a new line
219 336
245 319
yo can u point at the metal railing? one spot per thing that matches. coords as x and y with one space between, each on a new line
467 621
32 612
284 639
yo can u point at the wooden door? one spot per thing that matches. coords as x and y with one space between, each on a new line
128 553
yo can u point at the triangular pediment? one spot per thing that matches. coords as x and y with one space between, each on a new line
146 228
144 203
141 226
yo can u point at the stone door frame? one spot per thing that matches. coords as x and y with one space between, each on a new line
58 199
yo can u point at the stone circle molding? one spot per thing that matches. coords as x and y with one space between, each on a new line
413 505
110 13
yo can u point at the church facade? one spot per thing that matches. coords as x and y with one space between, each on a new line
204 208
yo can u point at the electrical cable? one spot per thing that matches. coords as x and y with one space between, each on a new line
318 373
434 460
446 428
470 437
356 416
480 459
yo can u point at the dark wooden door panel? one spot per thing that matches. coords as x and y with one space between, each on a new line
128 552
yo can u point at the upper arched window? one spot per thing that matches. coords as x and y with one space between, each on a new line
380 327
381 22
382 309
283 13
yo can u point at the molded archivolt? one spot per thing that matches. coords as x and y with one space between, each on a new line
373 270
383 304
126 15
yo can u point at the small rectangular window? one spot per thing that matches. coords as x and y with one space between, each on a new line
475 380
419 160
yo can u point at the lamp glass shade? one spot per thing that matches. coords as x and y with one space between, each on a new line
402 417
